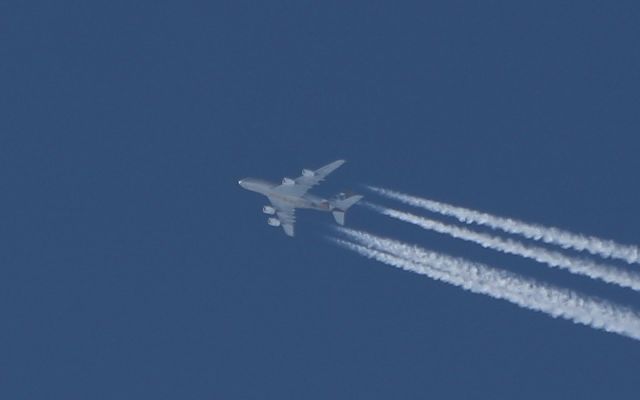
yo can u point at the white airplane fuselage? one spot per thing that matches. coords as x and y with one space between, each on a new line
286 197
307 200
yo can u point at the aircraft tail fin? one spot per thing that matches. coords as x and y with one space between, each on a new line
341 205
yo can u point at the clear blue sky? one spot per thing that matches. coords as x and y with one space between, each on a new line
134 267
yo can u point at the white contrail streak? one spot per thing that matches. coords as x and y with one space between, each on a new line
568 240
499 284
606 273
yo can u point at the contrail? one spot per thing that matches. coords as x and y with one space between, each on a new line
606 273
568 240
479 278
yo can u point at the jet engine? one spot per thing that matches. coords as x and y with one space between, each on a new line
308 173
268 210
273 221
288 181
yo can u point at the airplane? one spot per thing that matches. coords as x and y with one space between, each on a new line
292 194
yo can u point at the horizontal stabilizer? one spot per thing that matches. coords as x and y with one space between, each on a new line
344 204
341 205
338 216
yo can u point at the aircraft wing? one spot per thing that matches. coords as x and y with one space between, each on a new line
286 214
308 179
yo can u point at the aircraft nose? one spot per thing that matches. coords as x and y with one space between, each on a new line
241 182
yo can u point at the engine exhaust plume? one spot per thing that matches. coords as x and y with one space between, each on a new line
499 284
568 240
606 273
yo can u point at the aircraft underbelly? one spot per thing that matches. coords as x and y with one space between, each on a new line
311 202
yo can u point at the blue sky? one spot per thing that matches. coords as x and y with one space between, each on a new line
134 266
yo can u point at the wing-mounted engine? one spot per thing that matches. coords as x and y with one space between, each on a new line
288 182
273 221
307 173
268 210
